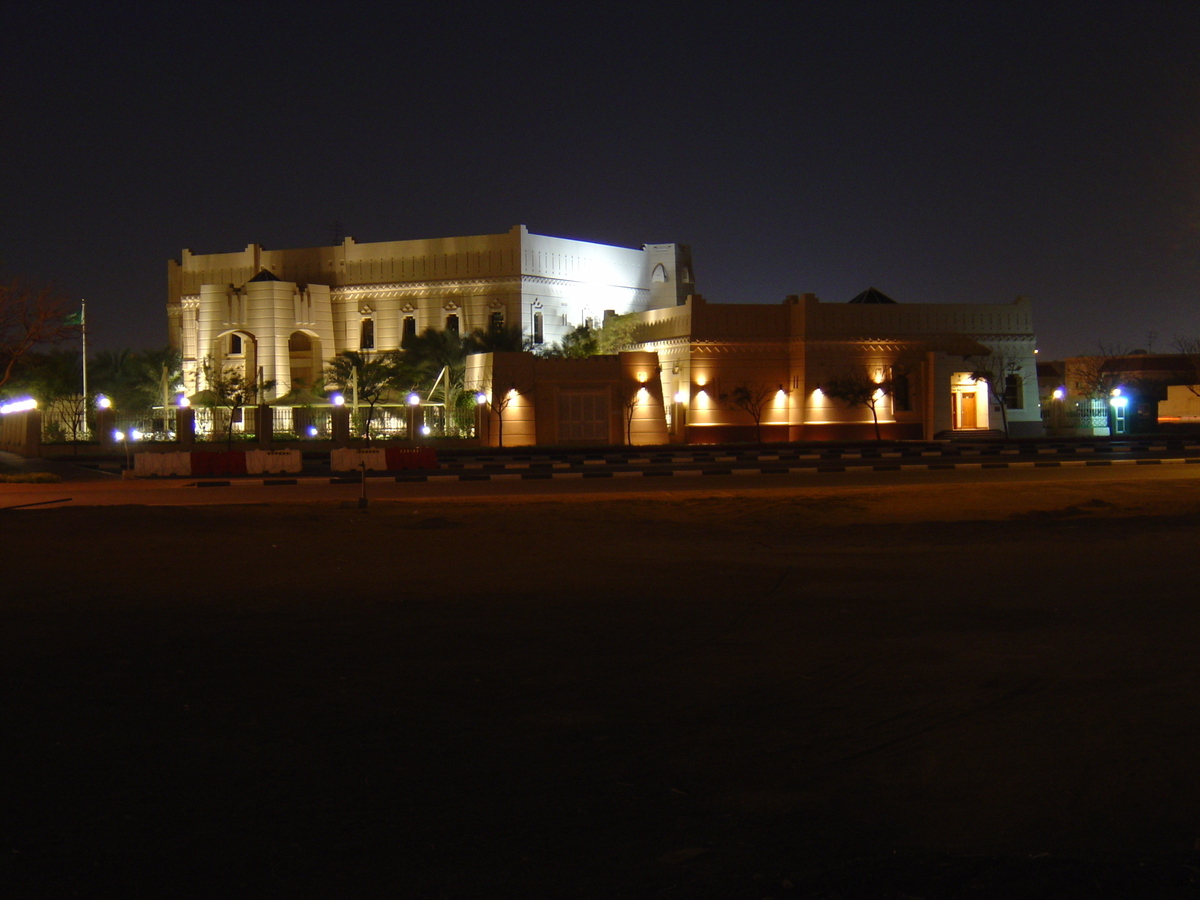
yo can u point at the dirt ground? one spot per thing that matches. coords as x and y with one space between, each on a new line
834 693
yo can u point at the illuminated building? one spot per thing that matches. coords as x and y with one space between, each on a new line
281 315
784 353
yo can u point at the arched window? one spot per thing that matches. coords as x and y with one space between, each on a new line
659 275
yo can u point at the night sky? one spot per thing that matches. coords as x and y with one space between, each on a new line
940 152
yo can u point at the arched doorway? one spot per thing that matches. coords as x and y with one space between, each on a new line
304 359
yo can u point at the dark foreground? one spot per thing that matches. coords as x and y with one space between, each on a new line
784 696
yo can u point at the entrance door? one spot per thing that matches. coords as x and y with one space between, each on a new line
583 417
967 410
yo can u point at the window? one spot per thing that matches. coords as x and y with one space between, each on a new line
452 323
538 336
496 323
235 345
410 329
901 399
366 340
1014 394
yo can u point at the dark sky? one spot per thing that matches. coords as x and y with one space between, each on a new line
955 152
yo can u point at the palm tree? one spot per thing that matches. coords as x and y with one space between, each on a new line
438 358
137 380
371 375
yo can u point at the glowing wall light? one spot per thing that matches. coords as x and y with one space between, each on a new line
1059 393
681 396
103 402
337 400
18 406
413 399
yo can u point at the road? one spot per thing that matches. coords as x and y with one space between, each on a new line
839 684
110 491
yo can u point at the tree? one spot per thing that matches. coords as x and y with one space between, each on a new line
229 388
579 343
30 317
996 370
584 341
54 378
615 333
372 376
629 395
501 339
497 403
858 387
137 379
1092 376
437 358
752 398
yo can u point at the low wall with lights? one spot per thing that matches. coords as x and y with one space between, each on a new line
598 400
21 428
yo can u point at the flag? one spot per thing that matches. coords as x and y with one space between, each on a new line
74 319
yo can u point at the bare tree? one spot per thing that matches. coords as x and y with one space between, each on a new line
858 387
996 370
629 396
752 398
496 402
231 389
1093 375
30 317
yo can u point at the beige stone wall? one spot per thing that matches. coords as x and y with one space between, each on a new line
541 391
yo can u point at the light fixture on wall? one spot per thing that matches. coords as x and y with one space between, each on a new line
18 406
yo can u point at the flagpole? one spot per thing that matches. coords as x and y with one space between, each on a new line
83 334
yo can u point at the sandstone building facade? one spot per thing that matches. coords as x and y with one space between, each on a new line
281 315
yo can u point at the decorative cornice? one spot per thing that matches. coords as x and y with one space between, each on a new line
412 288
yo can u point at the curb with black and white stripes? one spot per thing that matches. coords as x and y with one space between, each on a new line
526 473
